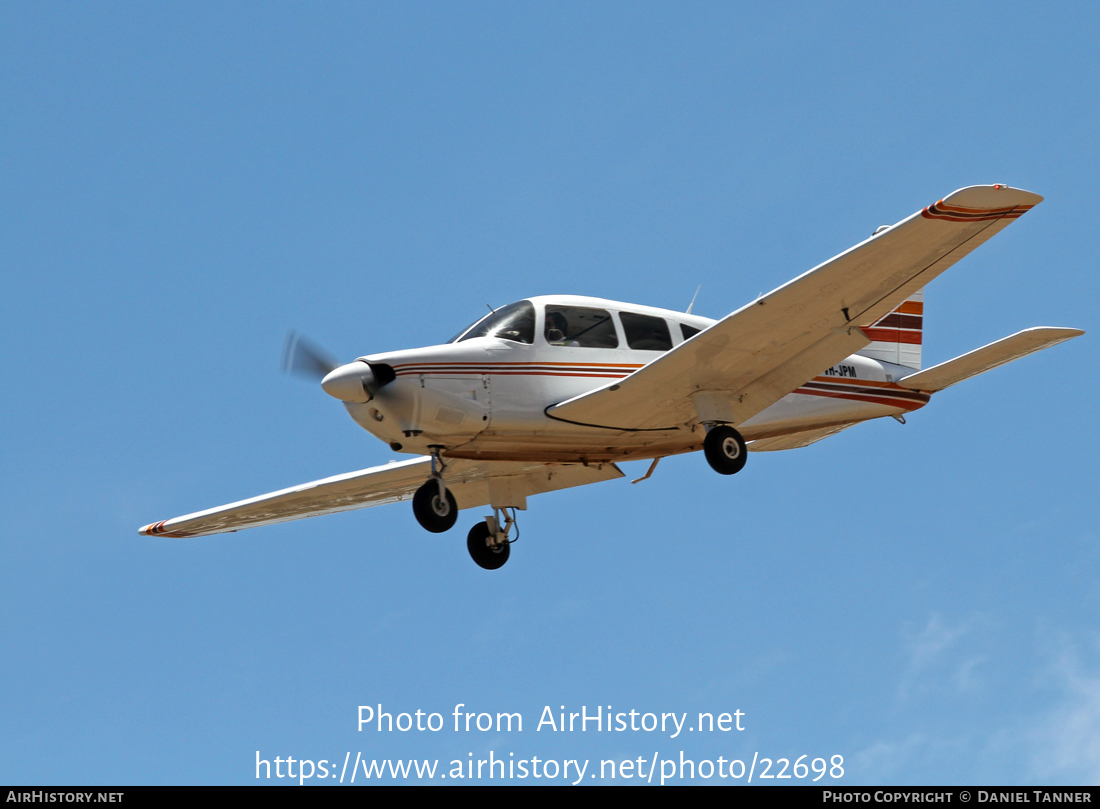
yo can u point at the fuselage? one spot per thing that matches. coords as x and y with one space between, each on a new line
484 395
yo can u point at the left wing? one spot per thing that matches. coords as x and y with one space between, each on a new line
473 484
760 353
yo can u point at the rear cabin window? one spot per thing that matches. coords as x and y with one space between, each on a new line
687 332
580 326
645 333
516 322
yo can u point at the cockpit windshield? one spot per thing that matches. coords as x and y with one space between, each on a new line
465 329
516 322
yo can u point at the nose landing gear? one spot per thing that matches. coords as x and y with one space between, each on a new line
433 504
488 541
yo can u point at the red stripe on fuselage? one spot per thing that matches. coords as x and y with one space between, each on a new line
594 370
588 375
519 364
881 393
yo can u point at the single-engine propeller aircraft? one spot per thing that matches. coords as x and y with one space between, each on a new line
549 392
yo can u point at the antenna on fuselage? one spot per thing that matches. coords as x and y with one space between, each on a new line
491 309
693 297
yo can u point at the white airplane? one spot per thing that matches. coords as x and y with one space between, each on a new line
549 392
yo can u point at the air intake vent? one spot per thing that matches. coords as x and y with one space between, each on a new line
448 415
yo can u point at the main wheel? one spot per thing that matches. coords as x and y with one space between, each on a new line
725 450
436 514
477 543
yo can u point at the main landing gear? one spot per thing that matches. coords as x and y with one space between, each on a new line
488 541
725 449
433 504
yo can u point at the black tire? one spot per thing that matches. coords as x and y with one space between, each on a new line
433 514
481 553
725 450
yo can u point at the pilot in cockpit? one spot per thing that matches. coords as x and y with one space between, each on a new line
556 329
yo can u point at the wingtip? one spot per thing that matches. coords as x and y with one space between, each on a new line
157 529
993 197
1062 332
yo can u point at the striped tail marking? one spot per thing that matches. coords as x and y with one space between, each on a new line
897 337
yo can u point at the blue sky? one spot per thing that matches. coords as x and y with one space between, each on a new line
181 184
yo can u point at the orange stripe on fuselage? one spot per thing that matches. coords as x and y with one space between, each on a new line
893 395
886 387
496 364
588 375
904 404
592 370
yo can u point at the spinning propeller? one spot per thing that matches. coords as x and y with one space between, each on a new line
304 358
353 382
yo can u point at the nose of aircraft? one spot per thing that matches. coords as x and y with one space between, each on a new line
349 383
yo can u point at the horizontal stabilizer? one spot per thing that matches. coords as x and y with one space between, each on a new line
983 359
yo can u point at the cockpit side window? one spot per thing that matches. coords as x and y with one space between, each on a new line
688 331
581 327
646 333
515 322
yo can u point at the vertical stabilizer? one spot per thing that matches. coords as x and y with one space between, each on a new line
897 337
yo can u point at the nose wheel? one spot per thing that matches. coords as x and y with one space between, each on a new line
725 449
488 541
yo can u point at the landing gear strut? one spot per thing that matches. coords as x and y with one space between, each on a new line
725 449
433 504
488 541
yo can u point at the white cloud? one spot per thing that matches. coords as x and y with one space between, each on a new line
1066 741
933 649
1055 741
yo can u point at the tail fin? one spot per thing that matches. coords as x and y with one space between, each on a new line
987 357
897 337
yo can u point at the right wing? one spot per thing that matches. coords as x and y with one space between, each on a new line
760 353
987 358
469 481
